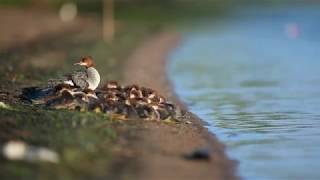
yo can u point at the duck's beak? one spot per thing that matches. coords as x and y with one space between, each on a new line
80 63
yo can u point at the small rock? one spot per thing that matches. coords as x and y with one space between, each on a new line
18 150
15 150
4 106
198 154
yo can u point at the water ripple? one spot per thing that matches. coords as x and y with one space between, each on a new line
258 88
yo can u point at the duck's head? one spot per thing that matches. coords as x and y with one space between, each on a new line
86 61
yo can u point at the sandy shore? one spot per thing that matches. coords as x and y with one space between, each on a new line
161 146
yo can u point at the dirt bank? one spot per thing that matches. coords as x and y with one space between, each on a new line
160 145
31 25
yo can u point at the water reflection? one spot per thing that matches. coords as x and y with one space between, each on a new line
254 77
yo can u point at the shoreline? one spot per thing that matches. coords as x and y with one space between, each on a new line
147 67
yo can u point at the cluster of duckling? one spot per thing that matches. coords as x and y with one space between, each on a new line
78 91
124 102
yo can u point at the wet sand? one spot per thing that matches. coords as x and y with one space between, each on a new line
161 146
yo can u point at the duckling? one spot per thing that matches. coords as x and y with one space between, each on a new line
129 88
171 108
112 104
77 99
130 109
175 112
111 86
146 91
134 93
160 111
109 106
166 108
154 97
81 101
148 107
63 100
162 102
144 111
133 105
91 99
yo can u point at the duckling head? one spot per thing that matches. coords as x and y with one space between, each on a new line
146 91
132 87
154 97
135 94
161 99
111 97
111 85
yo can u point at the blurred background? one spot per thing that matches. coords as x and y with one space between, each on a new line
248 68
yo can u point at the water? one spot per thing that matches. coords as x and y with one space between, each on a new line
254 76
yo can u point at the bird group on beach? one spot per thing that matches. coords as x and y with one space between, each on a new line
79 91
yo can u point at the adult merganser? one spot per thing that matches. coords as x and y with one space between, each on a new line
88 79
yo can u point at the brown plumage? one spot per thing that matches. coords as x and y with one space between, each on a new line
126 102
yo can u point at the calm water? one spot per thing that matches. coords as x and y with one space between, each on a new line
254 76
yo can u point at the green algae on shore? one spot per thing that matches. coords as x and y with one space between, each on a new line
82 140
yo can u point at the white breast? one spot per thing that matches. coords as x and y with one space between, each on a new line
93 78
